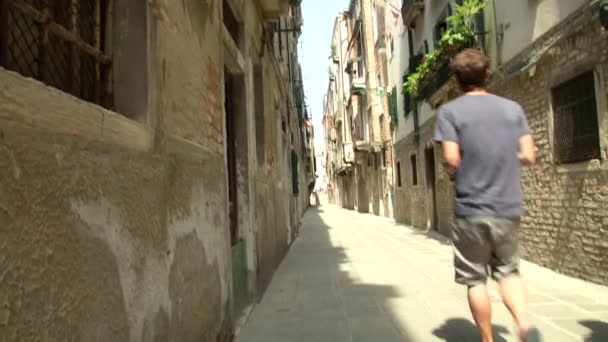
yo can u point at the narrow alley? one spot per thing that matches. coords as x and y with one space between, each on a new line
359 277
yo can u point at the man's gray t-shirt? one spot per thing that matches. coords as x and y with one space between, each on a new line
487 128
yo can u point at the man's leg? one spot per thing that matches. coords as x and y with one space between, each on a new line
505 269
472 253
514 296
481 308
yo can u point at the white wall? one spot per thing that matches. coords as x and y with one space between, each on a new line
526 20
399 62
523 20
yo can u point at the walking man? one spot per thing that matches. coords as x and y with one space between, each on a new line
485 141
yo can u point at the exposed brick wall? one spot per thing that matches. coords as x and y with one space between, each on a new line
567 210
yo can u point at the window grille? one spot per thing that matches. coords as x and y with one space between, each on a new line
575 120
59 42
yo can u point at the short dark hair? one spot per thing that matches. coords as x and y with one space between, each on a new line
472 69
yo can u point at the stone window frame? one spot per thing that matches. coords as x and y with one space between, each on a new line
560 77
131 124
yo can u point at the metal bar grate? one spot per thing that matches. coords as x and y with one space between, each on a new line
60 43
575 121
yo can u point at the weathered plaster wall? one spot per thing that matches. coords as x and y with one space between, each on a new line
190 71
112 236
525 21
113 229
102 243
272 190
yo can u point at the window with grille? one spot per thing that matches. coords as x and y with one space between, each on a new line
61 43
575 120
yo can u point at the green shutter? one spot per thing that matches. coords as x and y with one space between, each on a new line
394 108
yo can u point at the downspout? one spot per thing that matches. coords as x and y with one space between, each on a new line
341 99
416 123
410 42
498 35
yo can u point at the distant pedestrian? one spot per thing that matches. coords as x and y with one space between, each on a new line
485 140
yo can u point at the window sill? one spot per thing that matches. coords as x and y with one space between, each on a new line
586 166
35 104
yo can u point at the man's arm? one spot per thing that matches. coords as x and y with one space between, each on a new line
451 157
447 134
527 150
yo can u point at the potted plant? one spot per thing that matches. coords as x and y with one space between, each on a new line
458 35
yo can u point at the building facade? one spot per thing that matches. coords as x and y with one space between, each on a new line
550 57
356 118
149 188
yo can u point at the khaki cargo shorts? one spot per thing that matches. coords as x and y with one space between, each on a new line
485 246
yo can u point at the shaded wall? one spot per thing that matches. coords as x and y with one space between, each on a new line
114 229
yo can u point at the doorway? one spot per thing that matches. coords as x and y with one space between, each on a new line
431 189
231 156
238 202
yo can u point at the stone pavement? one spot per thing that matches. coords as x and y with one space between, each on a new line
354 277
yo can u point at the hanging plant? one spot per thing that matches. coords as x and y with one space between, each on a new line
459 34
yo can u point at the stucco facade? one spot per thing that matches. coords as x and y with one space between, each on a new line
357 118
116 224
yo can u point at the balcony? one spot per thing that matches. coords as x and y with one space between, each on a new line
273 9
410 10
357 85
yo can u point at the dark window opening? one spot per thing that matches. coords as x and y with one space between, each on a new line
575 120
231 23
439 29
60 43
384 157
414 166
260 122
410 41
231 157
399 174
376 163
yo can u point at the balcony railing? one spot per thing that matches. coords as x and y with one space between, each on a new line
410 10
441 77
357 85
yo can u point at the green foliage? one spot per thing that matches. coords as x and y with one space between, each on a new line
459 33
333 49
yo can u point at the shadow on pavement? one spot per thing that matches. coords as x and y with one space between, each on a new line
599 331
319 294
429 234
315 296
459 329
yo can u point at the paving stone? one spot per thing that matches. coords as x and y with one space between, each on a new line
352 277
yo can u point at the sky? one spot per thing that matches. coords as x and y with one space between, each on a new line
315 48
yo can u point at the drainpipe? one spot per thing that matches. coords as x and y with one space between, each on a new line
341 99
498 35
416 122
